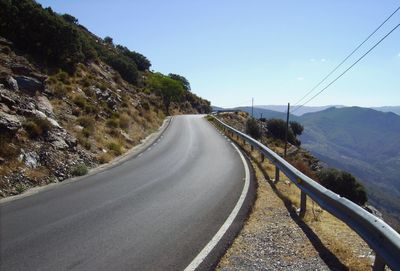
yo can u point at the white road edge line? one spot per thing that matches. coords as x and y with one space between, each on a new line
218 236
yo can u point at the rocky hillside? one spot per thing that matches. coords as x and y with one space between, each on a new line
56 122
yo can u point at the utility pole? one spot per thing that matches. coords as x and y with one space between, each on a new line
287 128
252 105
261 115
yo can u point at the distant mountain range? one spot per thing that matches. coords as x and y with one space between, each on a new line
363 141
309 109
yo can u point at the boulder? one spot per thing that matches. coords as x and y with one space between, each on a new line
7 99
4 108
30 159
12 83
21 69
29 84
44 105
9 123
59 144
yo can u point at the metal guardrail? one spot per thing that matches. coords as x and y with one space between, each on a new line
384 240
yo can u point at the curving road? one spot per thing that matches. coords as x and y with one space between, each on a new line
153 212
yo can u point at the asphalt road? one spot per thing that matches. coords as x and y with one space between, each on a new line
153 212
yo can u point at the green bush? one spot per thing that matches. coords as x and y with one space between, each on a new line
142 63
79 170
115 147
36 127
20 188
344 184
277 128
252 128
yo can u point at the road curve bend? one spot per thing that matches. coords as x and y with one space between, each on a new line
156 211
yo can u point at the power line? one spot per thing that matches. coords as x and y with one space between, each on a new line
346 58
358 60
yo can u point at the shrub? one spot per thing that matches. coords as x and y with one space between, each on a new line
104 158
112 123
140 60
80 101
63 77
277 129
87 132
145 106
303 167
7 150
86 122
124 121
296 127
90 108
344 184
59 90
252 128
79 170
36 127
115 148
20 188
85 82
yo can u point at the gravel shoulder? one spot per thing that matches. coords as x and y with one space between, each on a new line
271 239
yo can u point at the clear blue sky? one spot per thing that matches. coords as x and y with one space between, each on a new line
274 51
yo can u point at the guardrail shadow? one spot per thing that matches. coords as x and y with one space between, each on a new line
326 255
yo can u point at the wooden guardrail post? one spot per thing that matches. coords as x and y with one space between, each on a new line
379 264
276 174
303 204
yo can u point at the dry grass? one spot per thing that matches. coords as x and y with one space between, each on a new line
37 174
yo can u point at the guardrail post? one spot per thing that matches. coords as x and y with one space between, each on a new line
276 174
303 204
379 265
262 157
251 148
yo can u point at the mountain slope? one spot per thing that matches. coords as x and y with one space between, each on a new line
362 141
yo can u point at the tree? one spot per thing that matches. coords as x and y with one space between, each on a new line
69 18
126 68
169 89
108 40
252 128
296 127
181 79
142 63
344 184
